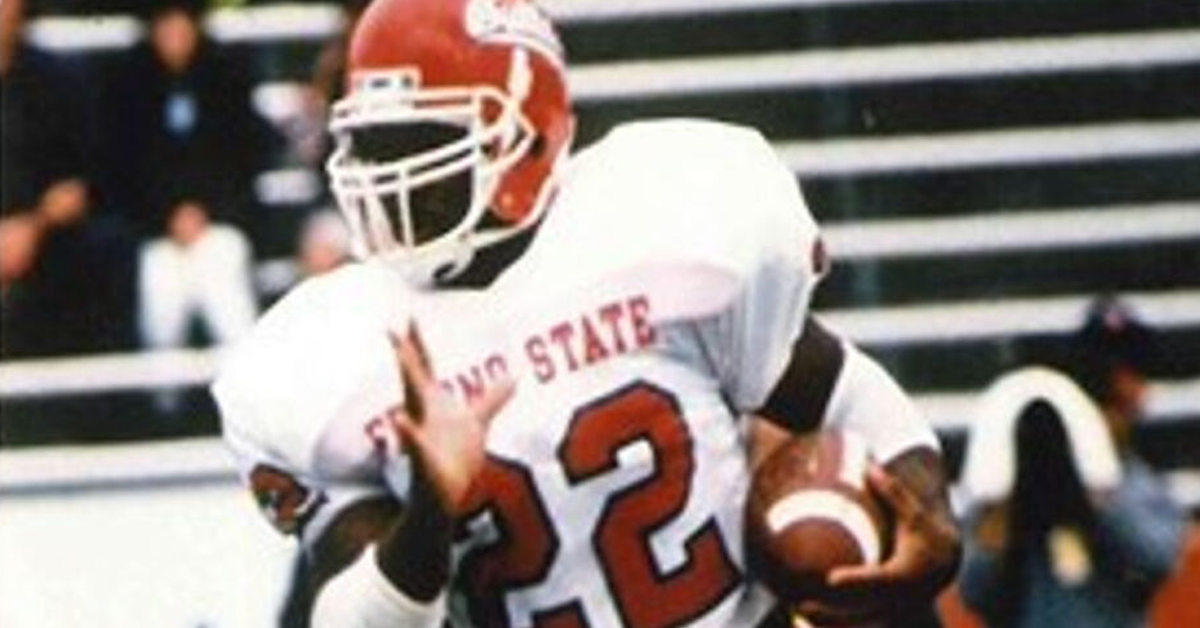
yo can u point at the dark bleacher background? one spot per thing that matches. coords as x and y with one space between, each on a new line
805 114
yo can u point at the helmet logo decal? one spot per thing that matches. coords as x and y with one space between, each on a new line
513 22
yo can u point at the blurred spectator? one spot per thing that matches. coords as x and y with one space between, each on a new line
1067 526
199 272
200 269
182 125
63 275
324 244
329 72
20 237
186 147
1112 355
42 135
325 86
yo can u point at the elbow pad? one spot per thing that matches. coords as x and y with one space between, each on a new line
362 597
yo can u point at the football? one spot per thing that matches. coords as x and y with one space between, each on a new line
809 511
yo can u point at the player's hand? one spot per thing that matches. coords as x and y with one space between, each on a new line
445 436
923 558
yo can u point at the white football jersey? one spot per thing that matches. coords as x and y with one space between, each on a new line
658 303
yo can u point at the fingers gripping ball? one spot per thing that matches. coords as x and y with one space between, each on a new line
809 511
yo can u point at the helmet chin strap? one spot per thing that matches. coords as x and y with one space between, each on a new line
427 268
461 256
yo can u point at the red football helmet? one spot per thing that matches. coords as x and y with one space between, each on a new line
453 108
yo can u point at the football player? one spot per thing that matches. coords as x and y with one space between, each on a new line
569 444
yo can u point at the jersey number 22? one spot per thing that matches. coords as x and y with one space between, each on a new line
645 595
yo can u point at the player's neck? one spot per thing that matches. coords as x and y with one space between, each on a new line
490 262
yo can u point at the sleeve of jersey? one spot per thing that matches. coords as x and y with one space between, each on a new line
293 501
867 400
362 597
753 336
279 391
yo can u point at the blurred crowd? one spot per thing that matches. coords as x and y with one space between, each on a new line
130 214
1066 524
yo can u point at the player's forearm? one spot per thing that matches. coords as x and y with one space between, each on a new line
350 531
414 554
393 583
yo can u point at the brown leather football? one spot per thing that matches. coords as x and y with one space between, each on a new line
810 510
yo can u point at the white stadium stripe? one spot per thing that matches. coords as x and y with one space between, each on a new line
883 64
959 321
263 23
107 373
1013 231
271 22
1002 147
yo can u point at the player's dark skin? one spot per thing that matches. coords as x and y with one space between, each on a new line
926 541
414 543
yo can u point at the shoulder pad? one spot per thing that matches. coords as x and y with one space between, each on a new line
684 199
316 356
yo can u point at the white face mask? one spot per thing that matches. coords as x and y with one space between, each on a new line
414 170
